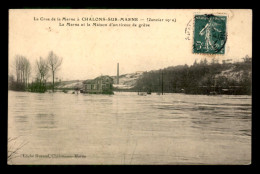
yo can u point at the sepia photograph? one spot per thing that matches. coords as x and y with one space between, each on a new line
129 87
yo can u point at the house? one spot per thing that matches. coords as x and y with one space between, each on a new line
99 85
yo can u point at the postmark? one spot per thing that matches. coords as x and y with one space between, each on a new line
188 30
209 34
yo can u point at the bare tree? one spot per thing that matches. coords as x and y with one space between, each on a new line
27 71
13 148
54 62
23 69
42 70
18 67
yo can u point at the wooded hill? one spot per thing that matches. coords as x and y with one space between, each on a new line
200 78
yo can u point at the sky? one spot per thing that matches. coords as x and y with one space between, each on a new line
88 52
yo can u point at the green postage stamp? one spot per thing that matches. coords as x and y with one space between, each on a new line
209 34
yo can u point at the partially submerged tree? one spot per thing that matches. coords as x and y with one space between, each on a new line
22 70
42 71
42 68
53 63
28 72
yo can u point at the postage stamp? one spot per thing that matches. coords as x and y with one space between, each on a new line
209 34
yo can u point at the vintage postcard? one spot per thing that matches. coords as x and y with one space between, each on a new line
130 86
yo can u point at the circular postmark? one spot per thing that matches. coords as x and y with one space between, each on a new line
188 30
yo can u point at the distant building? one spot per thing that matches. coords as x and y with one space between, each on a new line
99 85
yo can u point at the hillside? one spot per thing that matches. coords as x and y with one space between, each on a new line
70 84
200 78
126 81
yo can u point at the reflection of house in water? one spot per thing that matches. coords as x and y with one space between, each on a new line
99 85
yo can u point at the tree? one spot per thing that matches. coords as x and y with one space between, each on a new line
11 81
42 71
27 70
195 63
247 59
23 71
53 63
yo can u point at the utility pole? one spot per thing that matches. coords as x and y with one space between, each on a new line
162 82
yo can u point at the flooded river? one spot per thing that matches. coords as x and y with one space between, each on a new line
125 128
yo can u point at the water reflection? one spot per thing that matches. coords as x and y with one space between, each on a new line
126 128
46 121
22 119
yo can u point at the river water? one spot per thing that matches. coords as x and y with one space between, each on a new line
125 128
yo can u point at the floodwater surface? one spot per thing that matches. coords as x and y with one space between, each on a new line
125 128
